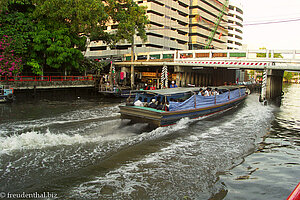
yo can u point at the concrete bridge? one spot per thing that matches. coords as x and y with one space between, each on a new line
217 63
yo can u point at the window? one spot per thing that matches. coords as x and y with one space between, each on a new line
101 48
114 26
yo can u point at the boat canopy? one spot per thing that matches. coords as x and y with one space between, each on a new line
198 101
171 91
166 94
170 94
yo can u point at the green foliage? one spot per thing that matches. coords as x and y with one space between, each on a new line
54 46
289 75
93 65
52 33
264 55
80 16
18 26
130 17
36 68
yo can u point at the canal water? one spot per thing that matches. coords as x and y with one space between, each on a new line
79 148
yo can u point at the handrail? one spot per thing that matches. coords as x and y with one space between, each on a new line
44 78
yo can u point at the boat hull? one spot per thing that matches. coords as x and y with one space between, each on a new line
165 118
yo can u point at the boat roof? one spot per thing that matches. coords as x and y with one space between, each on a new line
171 91
227 87
180 90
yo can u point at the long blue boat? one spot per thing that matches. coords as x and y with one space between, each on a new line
180 103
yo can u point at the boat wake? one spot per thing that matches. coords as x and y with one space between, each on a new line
133 158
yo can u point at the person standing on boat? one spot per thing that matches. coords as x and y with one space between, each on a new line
173 85
139 102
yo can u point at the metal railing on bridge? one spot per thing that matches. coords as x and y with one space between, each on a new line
246 59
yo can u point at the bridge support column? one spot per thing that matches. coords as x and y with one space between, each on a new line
272 84
184 79
196 79
202 80
178 78
188 78
192 78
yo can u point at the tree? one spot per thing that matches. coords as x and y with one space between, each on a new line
288 76
54 46
10 64
131 20
52 33
264 55
82 17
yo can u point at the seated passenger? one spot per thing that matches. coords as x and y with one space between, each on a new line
206 93
159 105
215 91
200 92
153 104
139 102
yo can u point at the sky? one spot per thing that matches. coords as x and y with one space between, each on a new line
277 36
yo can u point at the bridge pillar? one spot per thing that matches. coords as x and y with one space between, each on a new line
189 78
183 82
192 78
272 84
196 79
178 78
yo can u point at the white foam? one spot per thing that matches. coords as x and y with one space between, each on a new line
35 140
71 117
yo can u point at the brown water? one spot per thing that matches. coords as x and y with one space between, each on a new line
79 149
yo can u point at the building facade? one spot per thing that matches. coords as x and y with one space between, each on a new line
174 25
235 25
204 15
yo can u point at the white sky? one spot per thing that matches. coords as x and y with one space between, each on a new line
272 36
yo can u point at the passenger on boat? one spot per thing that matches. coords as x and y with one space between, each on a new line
215 92
207 92
139 102
159 105
200 92
153 104
173 85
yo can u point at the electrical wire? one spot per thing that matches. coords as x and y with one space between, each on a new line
271 22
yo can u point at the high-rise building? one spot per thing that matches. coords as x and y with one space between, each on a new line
235 25
204 15
174 25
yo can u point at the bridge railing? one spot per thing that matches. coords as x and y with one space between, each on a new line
44 78
262 54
